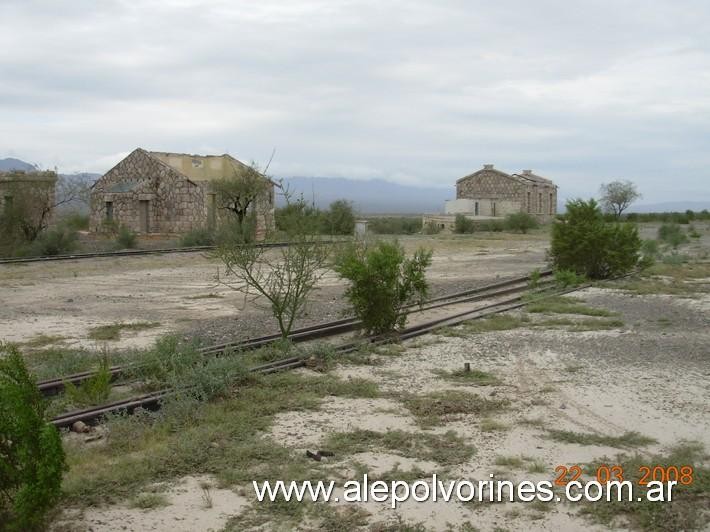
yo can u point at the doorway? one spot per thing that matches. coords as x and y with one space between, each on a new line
143 210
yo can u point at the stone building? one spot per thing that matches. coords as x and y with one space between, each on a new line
161 192
489 194
36 191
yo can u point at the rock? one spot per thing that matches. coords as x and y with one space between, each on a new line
563 406
80 427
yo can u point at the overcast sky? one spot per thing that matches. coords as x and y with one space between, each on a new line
418 92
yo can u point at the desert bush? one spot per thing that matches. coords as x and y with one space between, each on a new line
520 221
495 226
566 278
382 281
672 234
197 237
57 241
584 243
395 225
693 232
431 228
534 278
126 238
93 391
463 224
75 220
31 456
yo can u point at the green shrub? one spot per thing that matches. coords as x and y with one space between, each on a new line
431 228
92 391
57 241
534 278
463 224
672 234
584 243
520 221
395 225
75 220
567 278
693 232
197 237
31 456
126 238
339 219
382 281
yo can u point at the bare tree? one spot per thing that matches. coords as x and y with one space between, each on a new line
617 196
285 277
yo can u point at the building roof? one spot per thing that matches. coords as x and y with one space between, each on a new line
527 175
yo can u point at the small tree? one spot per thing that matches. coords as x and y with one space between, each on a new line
31 457
583 242
285 278
463 224
617 196
520 221
339 219
382 282
242 191
672 234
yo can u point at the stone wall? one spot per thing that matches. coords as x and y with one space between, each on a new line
36 191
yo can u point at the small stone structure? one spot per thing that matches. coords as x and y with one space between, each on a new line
162 192
492 194
36 190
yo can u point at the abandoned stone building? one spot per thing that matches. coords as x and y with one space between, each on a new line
160 192
36 191
490 193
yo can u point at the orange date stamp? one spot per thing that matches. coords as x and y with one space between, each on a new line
682 475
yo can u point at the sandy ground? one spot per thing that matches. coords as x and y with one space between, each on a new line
180 292
640 377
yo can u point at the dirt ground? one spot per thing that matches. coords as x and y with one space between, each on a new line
647 373
180 292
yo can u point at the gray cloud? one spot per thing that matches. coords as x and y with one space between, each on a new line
418 91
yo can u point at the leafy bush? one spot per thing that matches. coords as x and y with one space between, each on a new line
672 234
197 237
693 232
395 225
584 243
126 238
339 219
534 278
31 455
57 241
520 221
383 280
566 278
463 224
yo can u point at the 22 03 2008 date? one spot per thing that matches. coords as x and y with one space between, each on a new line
683 474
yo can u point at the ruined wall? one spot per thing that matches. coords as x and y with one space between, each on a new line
34 191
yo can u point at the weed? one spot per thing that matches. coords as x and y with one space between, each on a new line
537 467
93 391
491 425
565 305
147 501
43 340
113 331
628 439
435 408
533 422
445 449
515 462
474 376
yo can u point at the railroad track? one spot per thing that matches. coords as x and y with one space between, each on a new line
135 252
153 399
56 385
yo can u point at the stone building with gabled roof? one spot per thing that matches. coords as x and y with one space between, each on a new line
163 192
490 192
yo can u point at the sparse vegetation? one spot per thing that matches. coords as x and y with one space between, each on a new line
395 225
438 407
198 237
672 235
521 222
565 305
93 391
126 238
113 331
628 439
475 377
463 224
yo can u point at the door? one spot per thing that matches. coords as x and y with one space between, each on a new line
143 210
212 210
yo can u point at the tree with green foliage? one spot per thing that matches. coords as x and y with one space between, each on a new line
672 234
617 196
339 219
32 460
583 242
382 282
520 221
463 224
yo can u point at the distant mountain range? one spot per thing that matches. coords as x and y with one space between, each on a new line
373 196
